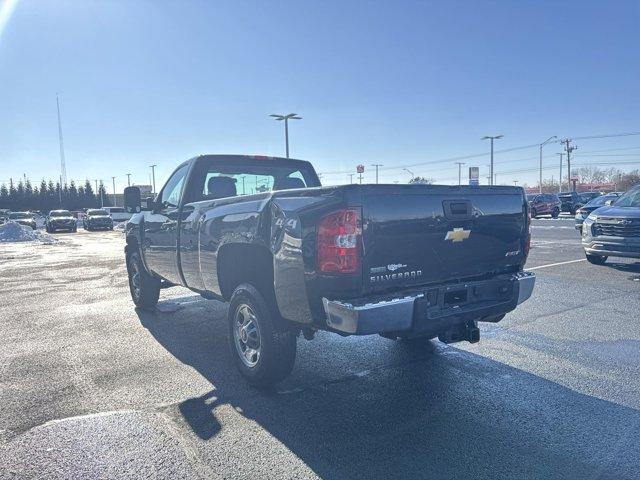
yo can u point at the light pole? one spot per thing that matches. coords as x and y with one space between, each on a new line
410 173
560 180
286 118
376 165
243 177
460 164
101 197
492 138
350 175
542 145
153 176
128 179
115 201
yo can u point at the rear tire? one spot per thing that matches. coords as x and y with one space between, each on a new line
144 287
596 259
263 353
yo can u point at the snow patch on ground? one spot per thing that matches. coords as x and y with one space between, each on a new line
120 226
14 232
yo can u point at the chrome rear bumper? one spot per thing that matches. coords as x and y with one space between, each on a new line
397 314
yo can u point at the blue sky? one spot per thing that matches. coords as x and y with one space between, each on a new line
396 83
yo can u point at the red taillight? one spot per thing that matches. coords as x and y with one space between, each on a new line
527 241
338 242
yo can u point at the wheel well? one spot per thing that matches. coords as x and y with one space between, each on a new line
238 263
132 244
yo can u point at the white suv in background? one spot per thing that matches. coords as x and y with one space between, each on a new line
118 214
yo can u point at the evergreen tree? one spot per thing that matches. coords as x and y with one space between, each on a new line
90 197
28 196
4 196
43 196
52 197
59 198
72 201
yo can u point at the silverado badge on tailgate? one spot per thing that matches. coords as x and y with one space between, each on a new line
457 234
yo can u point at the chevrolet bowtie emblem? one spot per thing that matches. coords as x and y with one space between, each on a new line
458 235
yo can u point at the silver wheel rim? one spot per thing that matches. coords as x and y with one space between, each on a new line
246 334
135 279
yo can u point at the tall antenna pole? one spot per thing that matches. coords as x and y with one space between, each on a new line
63 167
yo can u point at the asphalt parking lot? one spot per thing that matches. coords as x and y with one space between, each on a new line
92 388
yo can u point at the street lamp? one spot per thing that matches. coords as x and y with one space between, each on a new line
542 145
492 138
286 118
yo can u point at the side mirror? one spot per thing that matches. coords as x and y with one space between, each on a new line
132 202
609 202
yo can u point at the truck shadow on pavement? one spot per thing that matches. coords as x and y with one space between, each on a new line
366 407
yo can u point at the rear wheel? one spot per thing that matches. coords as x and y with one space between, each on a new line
263 353
597 259
144 287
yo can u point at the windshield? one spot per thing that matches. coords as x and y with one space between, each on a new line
599 201
60 213
97 212
17 215
629 199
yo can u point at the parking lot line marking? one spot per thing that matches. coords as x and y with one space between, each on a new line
556 264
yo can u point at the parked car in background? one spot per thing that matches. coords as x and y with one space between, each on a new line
613 230
570 202
118 214
544 204
97 219
4 215
588 196
60 220
584 211
23 218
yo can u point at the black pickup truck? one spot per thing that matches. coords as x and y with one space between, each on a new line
404 261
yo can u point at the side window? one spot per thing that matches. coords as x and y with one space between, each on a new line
173 188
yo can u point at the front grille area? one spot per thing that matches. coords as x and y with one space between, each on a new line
616 230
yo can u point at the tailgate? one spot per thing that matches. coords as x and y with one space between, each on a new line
422 234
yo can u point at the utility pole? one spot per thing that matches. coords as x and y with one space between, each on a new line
568 148
460 164
286 118
515 182
350 175
376 165
243 190
100 190
63 166
128 179
115 201
488 179
542 145
492 138
560 180
153 177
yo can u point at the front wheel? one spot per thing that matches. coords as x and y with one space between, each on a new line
596 259
263 353
144 287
